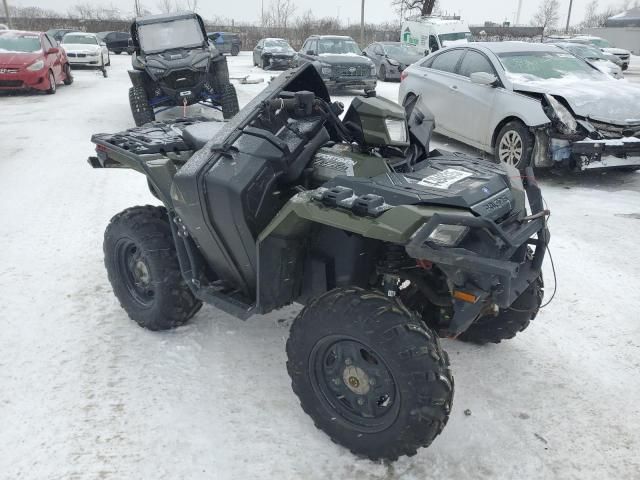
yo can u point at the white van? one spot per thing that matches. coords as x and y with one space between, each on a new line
434 33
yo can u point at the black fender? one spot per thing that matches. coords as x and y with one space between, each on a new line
137 78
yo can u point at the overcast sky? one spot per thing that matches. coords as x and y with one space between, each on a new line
473 11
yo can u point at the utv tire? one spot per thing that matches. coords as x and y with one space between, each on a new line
229 102
143 269
220 75
140 108
514 145
369 373
68 76
508 322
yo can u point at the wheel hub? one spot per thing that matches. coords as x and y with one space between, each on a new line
141 272
356 380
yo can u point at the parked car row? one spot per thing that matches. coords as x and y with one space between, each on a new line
32 61
620 56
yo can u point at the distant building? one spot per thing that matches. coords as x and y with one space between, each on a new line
630 18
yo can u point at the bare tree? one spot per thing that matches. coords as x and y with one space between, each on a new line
423 7
547 15
279 15
191 5
166 6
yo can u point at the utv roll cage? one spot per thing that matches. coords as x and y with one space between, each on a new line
162 18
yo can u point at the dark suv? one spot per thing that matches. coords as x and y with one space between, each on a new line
175 65
117 42
226 42
340 62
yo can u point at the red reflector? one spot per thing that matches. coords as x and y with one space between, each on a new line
403 75
101 148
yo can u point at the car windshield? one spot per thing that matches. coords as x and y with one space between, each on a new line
453 37
584 51
545 65
277 44
19 43
72 38
402 50
338 46
599 42
183 33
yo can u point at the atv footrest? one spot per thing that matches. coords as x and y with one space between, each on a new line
228 303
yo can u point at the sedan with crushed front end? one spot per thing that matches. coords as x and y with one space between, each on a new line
391 58
273 53
529 104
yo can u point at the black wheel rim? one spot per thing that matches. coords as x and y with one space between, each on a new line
354 383
134 272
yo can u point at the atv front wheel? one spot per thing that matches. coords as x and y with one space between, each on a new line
508 322
219 74
369 373
140 108
143 269
229 102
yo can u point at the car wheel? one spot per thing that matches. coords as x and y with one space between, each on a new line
514 145
52 83
382 73
68 76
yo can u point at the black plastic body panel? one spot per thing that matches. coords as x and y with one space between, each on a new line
230 189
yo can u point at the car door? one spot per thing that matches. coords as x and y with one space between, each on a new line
473 103
437 75
52 60
257 52
308 52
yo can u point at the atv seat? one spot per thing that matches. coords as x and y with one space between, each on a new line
198 134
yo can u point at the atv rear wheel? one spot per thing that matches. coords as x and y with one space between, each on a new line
143 269
369 373
229 102
140 108
235 50
508 322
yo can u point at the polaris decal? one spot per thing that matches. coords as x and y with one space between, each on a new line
444 179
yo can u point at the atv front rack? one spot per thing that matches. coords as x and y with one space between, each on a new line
509 278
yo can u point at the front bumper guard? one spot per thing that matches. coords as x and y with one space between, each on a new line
510 279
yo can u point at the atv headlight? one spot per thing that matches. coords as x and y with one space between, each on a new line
397 130
35 66
560 114
447 235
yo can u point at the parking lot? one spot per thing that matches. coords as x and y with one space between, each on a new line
85 393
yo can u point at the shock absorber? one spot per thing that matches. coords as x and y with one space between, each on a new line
393 260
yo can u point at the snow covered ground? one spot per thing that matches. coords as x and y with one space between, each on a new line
86 394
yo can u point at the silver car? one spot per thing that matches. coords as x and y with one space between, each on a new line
529 104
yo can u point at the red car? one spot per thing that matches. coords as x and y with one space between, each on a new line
32 61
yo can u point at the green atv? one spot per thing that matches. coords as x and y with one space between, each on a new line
387 245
